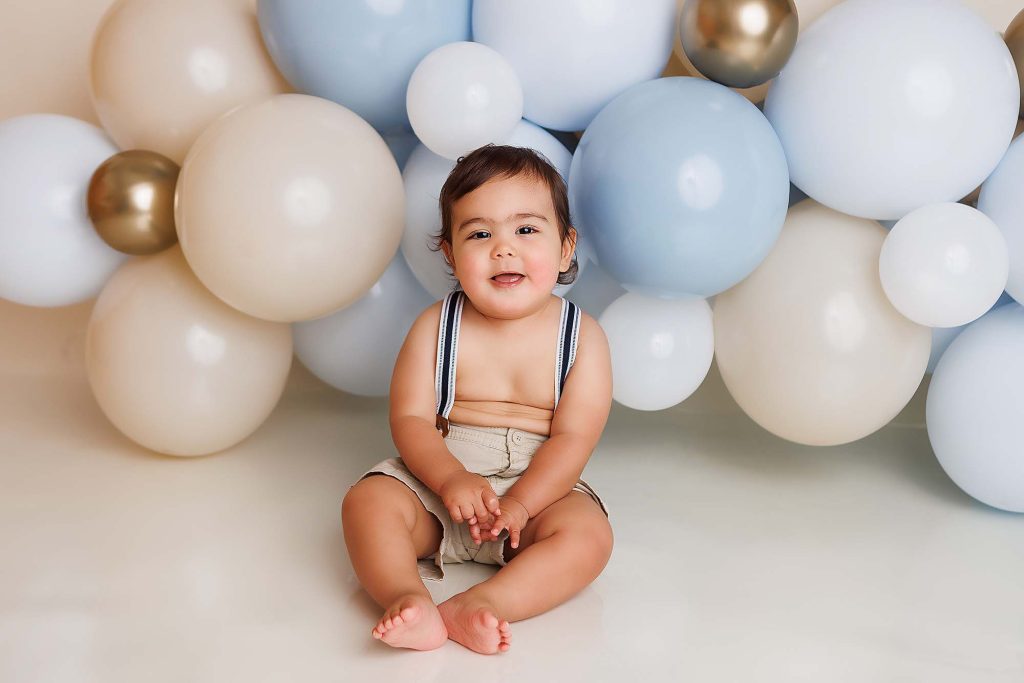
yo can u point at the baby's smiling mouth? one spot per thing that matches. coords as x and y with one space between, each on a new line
508 277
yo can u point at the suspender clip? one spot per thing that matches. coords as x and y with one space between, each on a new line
442 424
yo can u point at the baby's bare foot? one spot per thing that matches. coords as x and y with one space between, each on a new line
473 622
413 622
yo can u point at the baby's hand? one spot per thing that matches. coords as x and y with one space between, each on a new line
468 497
513 516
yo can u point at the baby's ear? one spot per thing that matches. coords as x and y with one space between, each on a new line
446 250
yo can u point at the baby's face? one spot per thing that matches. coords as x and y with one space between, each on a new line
507 225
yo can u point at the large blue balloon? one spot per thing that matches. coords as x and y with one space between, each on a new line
359 54
681 186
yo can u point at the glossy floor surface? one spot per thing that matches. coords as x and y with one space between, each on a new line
738 556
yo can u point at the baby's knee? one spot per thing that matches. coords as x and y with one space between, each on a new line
600 537
376 495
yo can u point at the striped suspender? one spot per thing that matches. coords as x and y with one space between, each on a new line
448 351
568 336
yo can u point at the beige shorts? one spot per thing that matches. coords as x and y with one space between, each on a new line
499 454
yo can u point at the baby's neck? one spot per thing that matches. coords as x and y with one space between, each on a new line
510 325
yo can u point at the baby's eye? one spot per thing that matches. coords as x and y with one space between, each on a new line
479 232
528 227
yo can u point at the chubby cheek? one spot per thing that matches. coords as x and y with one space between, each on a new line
542 269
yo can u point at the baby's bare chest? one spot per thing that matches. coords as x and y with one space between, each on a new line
518 370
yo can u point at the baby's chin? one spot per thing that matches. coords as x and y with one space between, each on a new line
508 303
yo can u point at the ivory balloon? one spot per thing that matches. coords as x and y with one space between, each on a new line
661 349
176 369
738 43
944 265
162 71
131 201
291 208
809 345
50 255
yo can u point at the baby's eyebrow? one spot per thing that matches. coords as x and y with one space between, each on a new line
487 221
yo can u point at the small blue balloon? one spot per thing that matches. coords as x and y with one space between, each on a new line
359 54
681 186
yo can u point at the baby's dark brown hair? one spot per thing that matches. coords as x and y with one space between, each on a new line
504 161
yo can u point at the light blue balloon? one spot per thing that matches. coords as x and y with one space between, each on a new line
942 337
354 349
973 409
1002 200
401 143
359 54
681 186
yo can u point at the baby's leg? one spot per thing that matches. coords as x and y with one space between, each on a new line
386 530
561 551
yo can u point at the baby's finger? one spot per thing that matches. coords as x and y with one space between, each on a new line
497 527
455 513
513 535
479 509
491 501
474 531
467 510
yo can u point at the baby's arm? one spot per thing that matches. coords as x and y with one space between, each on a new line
467 496
576 427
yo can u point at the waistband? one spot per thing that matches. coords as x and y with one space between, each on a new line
501 438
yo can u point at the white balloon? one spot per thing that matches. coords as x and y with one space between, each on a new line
354 349
1002 200
574 57
974 407
424 175
944 265
661 349
889 105
461 96
50 254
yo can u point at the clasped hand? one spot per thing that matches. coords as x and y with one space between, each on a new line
469 498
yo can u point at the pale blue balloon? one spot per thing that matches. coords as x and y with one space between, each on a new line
681 186
1002 200
973 409
401 143
359 54
354 349
942 337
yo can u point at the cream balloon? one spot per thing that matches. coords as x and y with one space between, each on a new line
173 367
808 344
162 71
290 209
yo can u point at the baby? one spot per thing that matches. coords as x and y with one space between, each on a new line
489 470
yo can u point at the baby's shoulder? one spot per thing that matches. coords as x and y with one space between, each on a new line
591 330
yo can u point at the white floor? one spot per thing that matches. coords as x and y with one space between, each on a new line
738 556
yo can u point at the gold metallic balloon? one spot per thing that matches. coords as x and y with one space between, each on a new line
738 43
1014 37
131 201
